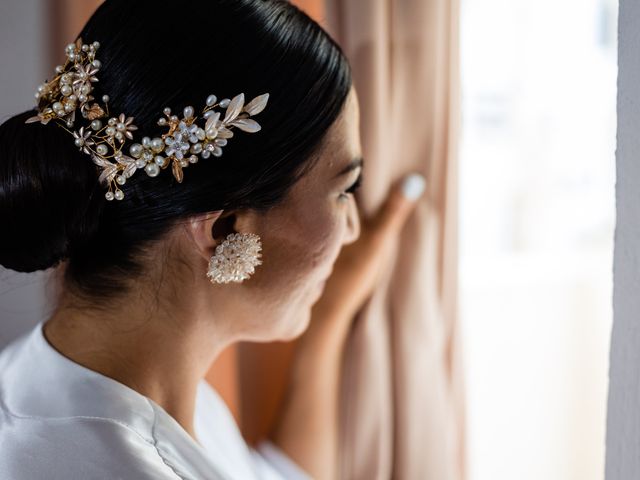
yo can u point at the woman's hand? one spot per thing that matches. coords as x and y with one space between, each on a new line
358 267
307 425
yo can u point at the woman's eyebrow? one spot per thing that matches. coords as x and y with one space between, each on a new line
352 165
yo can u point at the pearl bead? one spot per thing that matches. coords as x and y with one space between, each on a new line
135 150
69 107
102 149
224 103
166 111
121 180
193 159
119 195
73 97
211 99
140 163
79 142
162 121
160 160
66 90
82 98
85 48
152 169
105 98
146 141
108 196
58 106
85 89
121 126
69 123
70 47
188 112
157 145
96 125
96 64
110 131
96 45
184 163
59 68
174 118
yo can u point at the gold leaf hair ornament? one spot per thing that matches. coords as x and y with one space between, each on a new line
103 137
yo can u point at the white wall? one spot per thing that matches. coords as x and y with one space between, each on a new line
23 56
623 422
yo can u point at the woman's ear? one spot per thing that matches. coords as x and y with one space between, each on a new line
207 230
200 229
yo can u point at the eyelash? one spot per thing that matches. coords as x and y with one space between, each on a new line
354 188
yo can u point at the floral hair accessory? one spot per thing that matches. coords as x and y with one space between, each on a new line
103 136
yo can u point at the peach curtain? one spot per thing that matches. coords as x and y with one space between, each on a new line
403 394
403 409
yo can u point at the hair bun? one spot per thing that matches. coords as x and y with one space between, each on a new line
45 189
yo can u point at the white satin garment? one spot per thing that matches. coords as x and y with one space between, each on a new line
62 421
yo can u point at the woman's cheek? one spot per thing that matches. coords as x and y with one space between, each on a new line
334 230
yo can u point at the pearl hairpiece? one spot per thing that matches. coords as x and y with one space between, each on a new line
104 137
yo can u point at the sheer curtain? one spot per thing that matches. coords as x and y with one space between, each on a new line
403 409
403 404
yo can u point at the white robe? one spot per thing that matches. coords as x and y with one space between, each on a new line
62 421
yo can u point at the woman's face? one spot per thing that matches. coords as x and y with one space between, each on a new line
302 237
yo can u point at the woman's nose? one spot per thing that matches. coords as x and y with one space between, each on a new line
353 223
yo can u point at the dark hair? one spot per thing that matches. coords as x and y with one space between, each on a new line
51 203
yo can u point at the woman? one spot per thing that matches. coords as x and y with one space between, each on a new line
111 384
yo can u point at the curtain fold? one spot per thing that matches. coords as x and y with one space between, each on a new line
403 412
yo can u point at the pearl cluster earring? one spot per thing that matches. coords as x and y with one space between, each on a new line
235 258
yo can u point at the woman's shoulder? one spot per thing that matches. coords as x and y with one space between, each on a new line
76 447
59 420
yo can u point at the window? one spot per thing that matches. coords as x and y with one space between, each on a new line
537 178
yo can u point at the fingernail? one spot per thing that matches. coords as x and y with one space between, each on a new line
413 185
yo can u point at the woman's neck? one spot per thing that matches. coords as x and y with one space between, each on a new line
161 353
